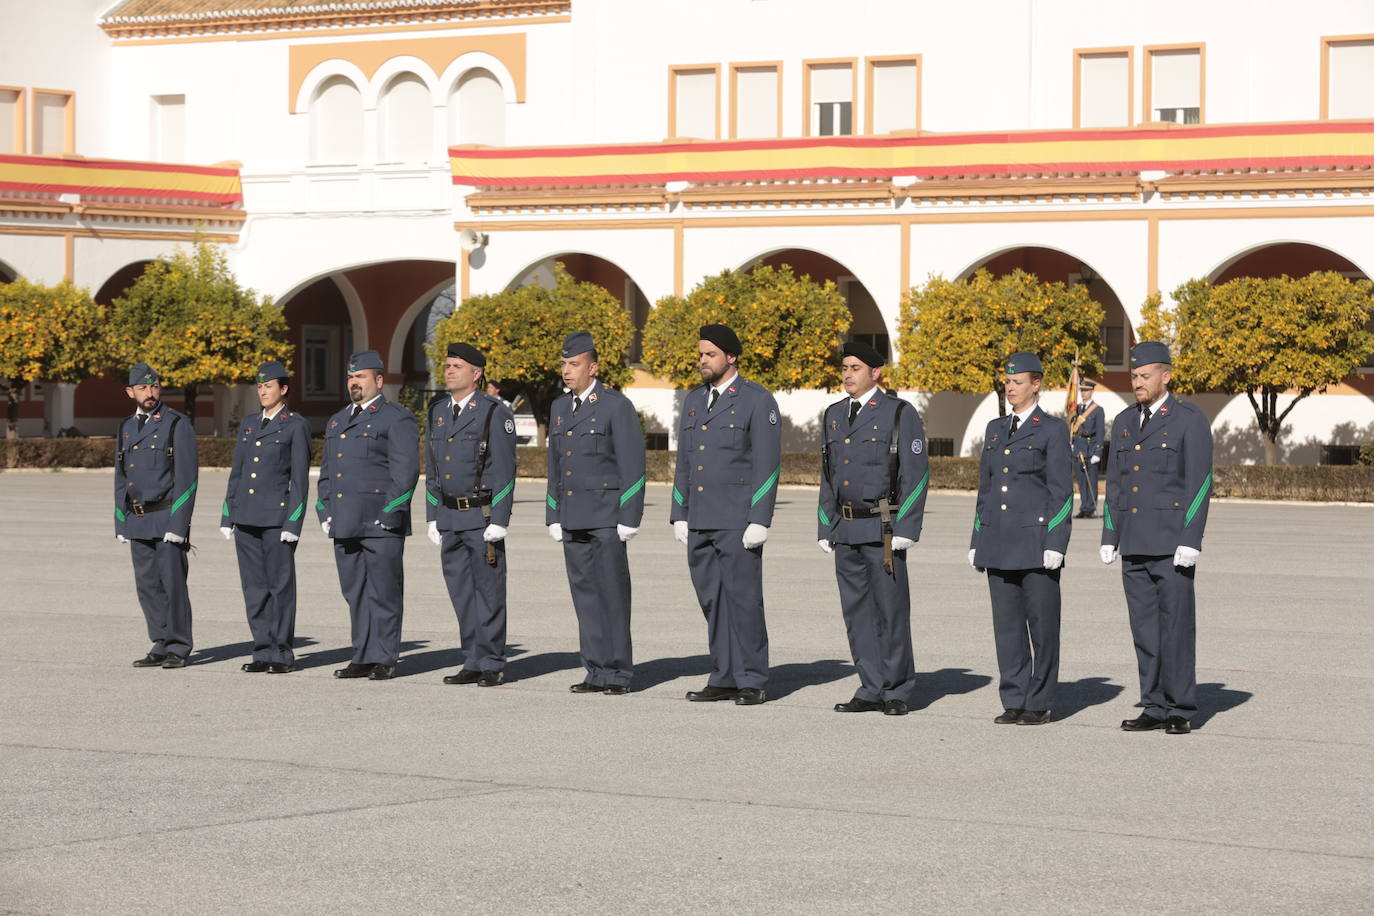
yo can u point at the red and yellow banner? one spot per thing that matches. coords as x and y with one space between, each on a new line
1319 144
120 178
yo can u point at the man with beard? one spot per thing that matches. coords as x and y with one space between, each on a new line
367 477
154 493
729 452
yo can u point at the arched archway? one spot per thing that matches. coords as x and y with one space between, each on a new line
590 268
867 324
119 281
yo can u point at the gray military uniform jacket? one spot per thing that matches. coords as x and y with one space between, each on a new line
269 480
156 472
368 474
595 462
451 462
728 460
856 471
1088 440
1025 493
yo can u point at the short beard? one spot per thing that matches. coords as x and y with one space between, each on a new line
356 395
713 378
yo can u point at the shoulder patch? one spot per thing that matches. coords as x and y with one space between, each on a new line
509 426
773 417
917 446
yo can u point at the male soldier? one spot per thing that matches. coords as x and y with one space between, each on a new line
729 454
371 463
1086 430
155 493
874 472
595 502
263 512
1020 535
1159 482
469 488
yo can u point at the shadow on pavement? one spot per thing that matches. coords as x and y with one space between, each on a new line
344 655
234 650
784 680
531 666
1072 697
934 685
1214 698
662 670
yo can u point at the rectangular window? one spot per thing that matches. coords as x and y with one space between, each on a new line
1174 83
756 100
694 102
1104 90
54 122
11 119
830 88
894 94
169 128
1348 77
320 361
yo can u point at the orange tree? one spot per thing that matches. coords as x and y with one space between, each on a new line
789 327
188 318
521 333
1265 337
47 333
955 335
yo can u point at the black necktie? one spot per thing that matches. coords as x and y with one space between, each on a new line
854 408
357 409
1015 422
1144 416
457 411
142 418
714 395
577 402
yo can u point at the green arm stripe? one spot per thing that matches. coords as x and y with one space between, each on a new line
977 522
825 520
1107 516
553 503
677 497
296 516
915 495
1059 518
319 504
119 514
768 484
504 493
182 498
630 493
1197 500
403 498
226 508
431 498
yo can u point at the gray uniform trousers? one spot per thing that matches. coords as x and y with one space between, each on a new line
1163 611
598 567
267 572
160 579
1025 626
478 593
877 620
1087 483
372 579
728 579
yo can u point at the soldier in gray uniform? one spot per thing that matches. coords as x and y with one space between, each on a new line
1086 431
367 477
154 495
874 473
264 509
469 489
595 502
1159 483
1020 535
729 458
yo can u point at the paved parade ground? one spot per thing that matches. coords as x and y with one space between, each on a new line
207 790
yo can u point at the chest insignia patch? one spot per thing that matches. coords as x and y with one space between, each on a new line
591 398
730 390
558 422
439 420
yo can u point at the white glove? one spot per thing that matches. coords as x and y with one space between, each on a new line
1053 559
902 543
626 532
824 545
324 525
435 537
754 536
228 532
556 531
173 538
1186 556
680 531
121 539
972 552
1094 459
1108 553
493 533
289 538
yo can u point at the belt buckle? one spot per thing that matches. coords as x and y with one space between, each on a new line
847 512
463 504
137 507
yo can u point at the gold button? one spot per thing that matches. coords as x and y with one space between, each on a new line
338 454
255 457
257 444
1135 489
446 457
1004 489
448 476
699 489
700 468
1134 510
1004 507
846 461
701 448
254 475
705 429
846 483
131 467
846 442
1175 505
1135 467
341 436
135 448
567 473
283 505
570 492
1137 448
1006 470
250 492
1006 451
568 454
569 432
338 496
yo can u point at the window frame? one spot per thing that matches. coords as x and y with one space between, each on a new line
869 95
1147 90
1324 97
735 68
69 121
810 65
1078 55
21 137
673 71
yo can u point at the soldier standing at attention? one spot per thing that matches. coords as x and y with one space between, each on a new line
469 488
1020 535
874 472
595 503
1159 483
367 477
263 512
729 457
156 470
1087 430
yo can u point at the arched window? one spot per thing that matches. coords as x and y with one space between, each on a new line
406 120
336 123
477 109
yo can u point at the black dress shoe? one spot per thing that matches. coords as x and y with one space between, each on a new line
750 696
858 705
464 676
255 667
354 669
616 690
894 708
587 687
1177 725
1142 723
382 673
490 678
174 661
1034 717
1009 717
151 660
711 694
280 668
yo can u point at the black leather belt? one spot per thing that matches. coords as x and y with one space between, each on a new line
142 509
464 503
851 511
